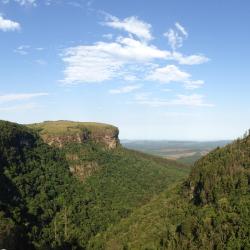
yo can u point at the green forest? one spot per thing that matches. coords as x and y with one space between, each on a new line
82 194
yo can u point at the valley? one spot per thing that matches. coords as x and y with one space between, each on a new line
75 188
72 185
124 125
186 152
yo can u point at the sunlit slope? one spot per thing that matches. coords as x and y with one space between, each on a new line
210 210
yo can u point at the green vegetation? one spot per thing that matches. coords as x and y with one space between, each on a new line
70 127
86 196
210 210
190 160
44 206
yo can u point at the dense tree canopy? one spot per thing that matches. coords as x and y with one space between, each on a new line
44 206
210 210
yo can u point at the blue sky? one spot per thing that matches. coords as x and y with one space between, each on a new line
156 69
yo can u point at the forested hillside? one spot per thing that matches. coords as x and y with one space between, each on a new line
51 198
210 210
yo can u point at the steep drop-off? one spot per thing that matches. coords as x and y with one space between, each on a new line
44 206
60 133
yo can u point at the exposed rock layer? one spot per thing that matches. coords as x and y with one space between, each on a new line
59 133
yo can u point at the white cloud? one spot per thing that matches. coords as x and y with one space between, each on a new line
27 106
41 62
20 97
191 100
130 58
174 39
172 73
176 36
125 89
130 78
8 25
108 36
21 2
132 25
181 29
104 61
194 84
180 100
22 50
39 49
167 74
189 60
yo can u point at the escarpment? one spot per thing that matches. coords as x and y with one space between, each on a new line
80 141
60 133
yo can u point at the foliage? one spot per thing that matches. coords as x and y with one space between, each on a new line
210 210
129 200
69 127
46 207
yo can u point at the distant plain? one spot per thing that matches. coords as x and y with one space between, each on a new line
183 151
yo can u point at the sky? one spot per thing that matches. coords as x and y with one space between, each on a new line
165 69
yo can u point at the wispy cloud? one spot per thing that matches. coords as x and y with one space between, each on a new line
134 58
22 50
39 48
194 100
169 73
21 2
172 73
108 36
41 62
106 61
8 25
132 25
181 29
122 57
125 89
189 60
21 96
22 107
25 49
174 39
176 36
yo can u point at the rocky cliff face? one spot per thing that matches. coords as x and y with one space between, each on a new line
81 160
109 139
59 133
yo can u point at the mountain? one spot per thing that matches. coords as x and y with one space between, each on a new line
209 210
59 133
62 183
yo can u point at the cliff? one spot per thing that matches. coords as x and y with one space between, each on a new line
60 133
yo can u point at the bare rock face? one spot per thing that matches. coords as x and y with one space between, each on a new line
84 170
109 138
59 133
61 140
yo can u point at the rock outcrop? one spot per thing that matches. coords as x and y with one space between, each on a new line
59 133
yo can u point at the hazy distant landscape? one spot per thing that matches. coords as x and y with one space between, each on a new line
183 151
